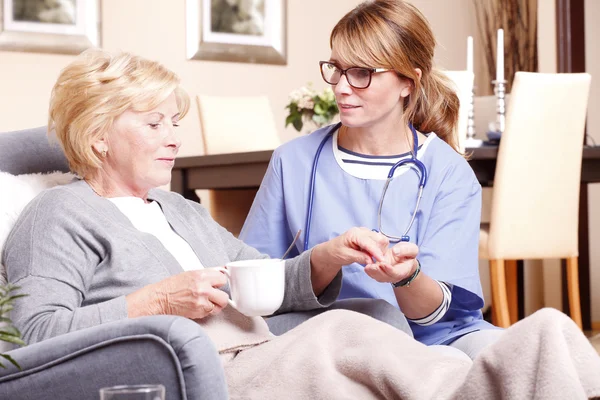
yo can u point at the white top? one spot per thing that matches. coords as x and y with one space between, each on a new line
149 218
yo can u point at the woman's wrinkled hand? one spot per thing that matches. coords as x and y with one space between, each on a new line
190 294
398 263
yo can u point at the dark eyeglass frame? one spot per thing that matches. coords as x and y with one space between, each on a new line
344 72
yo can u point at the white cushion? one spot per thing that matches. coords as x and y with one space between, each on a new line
15 193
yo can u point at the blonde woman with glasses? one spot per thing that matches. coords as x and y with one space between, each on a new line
392 164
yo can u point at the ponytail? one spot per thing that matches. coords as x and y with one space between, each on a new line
433 107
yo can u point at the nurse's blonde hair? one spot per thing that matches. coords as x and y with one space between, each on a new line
394 34
95 89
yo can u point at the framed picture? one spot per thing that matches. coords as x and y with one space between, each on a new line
249 31
49 26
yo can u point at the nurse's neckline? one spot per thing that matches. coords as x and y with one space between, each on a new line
343 129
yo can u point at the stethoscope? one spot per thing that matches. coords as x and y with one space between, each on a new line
412 160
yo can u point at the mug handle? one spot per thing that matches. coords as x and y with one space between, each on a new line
228 274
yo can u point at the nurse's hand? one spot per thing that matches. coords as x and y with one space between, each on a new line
399 262
360 245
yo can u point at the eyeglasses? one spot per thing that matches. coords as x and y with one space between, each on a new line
358 77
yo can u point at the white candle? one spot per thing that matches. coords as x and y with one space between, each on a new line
500 56
470 54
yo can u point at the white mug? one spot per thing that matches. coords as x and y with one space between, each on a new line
256 286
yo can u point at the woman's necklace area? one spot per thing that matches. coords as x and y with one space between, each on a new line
104 196
344 141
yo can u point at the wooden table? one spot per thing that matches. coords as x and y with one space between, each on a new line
246 170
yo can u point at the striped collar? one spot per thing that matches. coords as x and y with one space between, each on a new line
365 166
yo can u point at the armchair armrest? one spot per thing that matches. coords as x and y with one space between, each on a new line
169 350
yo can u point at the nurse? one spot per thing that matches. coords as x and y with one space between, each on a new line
394 105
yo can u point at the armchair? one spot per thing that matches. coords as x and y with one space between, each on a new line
169 350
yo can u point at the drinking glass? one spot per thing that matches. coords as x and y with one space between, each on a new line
133 392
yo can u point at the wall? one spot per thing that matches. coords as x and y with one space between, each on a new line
156 29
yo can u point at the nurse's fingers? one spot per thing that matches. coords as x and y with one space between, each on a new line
383 272
375 271
399 271
404 251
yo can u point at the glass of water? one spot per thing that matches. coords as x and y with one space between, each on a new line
133 392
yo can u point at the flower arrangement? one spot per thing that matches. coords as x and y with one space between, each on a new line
308 105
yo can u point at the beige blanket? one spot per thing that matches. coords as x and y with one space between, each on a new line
345 355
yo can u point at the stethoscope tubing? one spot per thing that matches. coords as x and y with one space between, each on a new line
413 160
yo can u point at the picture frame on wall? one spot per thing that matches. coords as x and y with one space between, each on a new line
43 26
246 31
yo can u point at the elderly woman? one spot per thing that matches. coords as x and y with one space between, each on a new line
110 246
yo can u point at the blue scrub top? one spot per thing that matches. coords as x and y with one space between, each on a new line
446 227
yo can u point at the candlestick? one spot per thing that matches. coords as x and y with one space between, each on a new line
471 116
500 56
470 53
471 141
497 128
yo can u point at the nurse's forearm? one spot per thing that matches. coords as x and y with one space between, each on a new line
322 269
421 298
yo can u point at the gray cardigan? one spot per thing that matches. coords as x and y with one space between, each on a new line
77 256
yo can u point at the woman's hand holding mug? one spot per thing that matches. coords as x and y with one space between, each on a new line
191 294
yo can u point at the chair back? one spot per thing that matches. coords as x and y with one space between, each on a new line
535 201
463 82
236 124
30 151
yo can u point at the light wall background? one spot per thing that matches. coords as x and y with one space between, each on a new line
156 29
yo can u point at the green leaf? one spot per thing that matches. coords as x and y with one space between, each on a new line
298 124
319 109
290 119
8 288
11 339
12 361
6 308
320 119
10 330
11 299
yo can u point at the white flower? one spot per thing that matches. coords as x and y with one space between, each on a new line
306 103
295 96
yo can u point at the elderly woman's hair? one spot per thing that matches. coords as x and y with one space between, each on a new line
395 34
95 89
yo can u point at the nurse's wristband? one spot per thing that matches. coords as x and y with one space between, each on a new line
406 282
